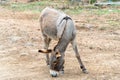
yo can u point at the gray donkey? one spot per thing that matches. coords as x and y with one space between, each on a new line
58 26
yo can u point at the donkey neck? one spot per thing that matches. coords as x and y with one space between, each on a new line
63 41
62 45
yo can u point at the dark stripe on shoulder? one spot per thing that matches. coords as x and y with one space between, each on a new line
66 18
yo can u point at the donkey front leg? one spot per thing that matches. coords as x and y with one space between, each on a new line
62 61
78 56
46 45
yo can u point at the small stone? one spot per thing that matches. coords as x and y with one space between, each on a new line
24 54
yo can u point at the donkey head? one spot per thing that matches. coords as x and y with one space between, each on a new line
56 61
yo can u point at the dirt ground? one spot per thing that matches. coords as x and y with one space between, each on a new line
20 38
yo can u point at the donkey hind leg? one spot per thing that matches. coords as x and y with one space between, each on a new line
46 45
78 57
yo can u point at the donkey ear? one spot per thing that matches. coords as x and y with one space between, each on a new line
45 51
58 54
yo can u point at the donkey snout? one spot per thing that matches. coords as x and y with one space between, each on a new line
54 73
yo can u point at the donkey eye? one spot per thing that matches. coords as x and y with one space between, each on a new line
56 52
58 57
54 62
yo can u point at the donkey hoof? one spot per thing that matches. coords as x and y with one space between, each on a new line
85 71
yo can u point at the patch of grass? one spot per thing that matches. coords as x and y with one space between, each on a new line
38 6
73 11
23 7
92 10
114 24
105 11
34 6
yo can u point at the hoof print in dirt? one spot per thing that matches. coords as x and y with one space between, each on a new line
24 54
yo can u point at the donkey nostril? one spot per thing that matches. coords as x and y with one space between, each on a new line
54 75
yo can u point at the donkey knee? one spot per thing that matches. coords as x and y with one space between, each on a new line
78 56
